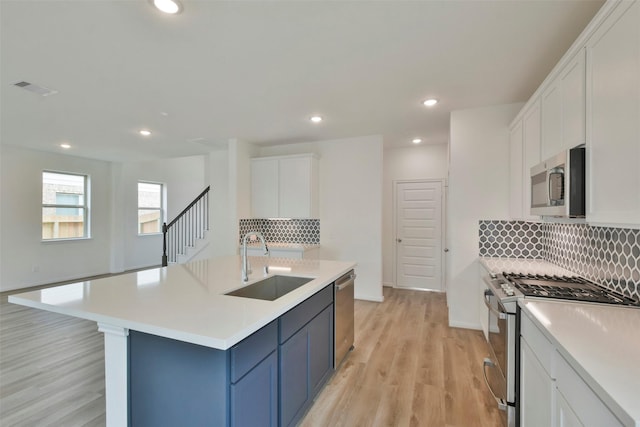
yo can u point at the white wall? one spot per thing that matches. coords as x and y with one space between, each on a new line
350 204
184 178
26 260
410 163
114 245
478 189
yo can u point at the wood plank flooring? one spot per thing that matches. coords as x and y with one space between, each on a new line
51 369
408 368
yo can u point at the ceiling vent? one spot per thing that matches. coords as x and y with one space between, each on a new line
40 90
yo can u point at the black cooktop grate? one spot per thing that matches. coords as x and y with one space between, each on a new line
566 287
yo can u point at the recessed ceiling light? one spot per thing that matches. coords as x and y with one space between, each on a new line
416 140
65 145
168 6
145 132
316 119
430 102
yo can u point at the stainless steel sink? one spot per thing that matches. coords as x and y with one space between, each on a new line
271 288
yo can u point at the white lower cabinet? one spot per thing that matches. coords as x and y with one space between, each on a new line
552 393
565 417
537 392
580 406
537 377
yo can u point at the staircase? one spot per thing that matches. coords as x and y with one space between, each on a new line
185 236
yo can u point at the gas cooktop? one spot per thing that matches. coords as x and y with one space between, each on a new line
566 287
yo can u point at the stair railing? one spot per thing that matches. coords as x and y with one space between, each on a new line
183 231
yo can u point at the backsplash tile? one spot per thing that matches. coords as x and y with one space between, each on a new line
302 231
510 239
609 256
605 255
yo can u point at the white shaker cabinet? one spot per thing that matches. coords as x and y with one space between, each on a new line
537 372
563 108
613 115
524 152
530 153
516 172
577 404
284 186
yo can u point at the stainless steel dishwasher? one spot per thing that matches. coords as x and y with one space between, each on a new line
343 320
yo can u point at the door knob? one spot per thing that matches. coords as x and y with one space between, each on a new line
399 240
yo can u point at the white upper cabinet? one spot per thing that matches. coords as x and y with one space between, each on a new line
530 153
284 186
613 115
515 171
524 152
264 188
563 108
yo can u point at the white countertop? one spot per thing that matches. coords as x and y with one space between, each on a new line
186 302
523 266
602 343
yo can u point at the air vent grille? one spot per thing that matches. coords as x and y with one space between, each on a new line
40 90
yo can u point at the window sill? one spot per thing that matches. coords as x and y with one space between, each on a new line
150 234
71 239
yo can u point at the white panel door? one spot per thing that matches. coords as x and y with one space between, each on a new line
419 235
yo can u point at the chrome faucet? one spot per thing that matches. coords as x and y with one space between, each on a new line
246 268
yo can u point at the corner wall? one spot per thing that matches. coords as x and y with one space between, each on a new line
478 189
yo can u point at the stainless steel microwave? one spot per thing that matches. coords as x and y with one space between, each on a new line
558 185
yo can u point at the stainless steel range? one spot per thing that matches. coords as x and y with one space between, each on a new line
501 297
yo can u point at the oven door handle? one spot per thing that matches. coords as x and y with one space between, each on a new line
501 315
502 405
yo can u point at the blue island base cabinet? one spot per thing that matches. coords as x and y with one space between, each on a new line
268 379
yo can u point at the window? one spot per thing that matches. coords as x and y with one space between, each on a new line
150 216
65 206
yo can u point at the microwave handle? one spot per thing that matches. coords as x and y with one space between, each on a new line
500 314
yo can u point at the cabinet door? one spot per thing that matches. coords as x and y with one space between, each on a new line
320 349
294 381
306 362
264 188
536 390
613 111
572 83
565 417
253 399
531 153
515 172
295 186
551 106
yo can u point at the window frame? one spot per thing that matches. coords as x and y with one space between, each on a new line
160 209
85 207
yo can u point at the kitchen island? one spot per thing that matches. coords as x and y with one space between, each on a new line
179 321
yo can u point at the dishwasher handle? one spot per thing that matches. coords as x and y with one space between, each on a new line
345 281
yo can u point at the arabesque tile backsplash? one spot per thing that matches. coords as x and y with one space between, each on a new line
605 255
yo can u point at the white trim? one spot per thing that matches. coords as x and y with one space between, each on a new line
116 372
368 298
465 325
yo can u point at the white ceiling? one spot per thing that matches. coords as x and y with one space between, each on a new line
257 70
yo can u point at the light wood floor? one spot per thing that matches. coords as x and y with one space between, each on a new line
408 369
